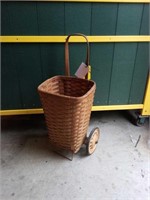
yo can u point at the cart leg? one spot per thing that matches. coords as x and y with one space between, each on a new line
66 154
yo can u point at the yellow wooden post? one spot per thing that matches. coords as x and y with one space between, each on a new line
146 107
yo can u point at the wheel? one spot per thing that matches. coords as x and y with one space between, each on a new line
92 140
139 121
136 118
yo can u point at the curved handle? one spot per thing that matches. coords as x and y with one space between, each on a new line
67 66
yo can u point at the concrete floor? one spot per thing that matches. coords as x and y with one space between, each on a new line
116 171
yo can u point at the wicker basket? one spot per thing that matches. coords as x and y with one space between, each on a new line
67 103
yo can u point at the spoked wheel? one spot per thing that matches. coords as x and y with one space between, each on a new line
92 140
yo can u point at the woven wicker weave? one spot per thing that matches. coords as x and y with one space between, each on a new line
67 103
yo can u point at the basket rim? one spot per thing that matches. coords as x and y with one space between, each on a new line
65 96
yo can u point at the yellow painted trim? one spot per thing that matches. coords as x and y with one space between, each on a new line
21 112
117 107
94 108
61 39
100 1
146 108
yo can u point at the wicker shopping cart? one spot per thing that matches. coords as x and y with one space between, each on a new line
67 103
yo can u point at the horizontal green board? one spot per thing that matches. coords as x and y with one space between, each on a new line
51 18
129 19
145 29
28 63
5 19
104 19
101 61
140 74
77 18
52 60
119 70
141 66
10 91
21 75
22 17
122 71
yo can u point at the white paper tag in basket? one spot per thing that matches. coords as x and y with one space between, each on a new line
82 71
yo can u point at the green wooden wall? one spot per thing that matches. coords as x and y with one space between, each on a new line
119 69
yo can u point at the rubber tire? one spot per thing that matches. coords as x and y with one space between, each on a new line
89 141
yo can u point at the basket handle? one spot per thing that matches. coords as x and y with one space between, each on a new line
67 66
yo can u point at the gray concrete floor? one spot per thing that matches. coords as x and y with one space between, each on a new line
116 171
